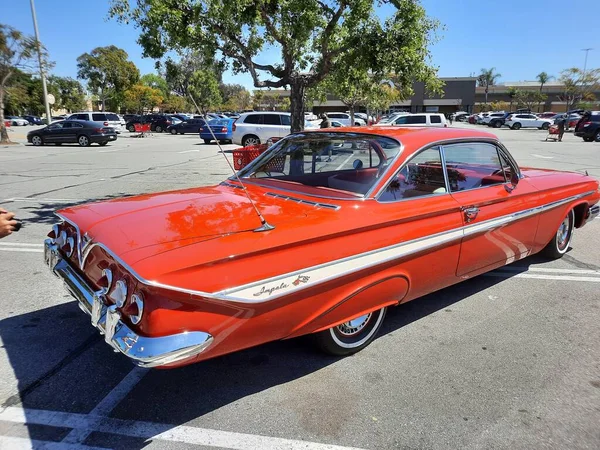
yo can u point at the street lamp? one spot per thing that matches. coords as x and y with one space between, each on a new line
37 43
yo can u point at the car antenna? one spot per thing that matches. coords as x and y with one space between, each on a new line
265 226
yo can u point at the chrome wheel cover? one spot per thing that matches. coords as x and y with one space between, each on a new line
354 326
562 235
252 141
83 141
36 140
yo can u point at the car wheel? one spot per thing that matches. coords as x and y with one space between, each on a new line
131 128
588 139
173 131
559 244
545 126
597 138
352 336
250 140
207 141
102 144
83 141
159 129
497 124
516 126
37 140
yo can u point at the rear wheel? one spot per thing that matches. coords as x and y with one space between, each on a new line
588 139
207 141
497 124
352 336
102 144
516 126
173 131
597 138
131 128
545 126
159 129
37 140
250 140
559 244
83 141
58 143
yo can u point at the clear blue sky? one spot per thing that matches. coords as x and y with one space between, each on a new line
519 38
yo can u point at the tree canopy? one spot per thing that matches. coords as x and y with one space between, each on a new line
579 86
204 90
141 98
108 72
311 37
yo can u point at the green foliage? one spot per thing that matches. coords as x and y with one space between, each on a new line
175 103
235 97
543 78
140 98
529 99
204 90
156 82
488 77
313 38
69 93
579 86
108 72
179 73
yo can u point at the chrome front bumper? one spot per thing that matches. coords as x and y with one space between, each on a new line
592 213
143 351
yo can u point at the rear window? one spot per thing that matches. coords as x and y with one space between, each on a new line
416 119
285 120
98 117
271 119
254 118
436 119
113 117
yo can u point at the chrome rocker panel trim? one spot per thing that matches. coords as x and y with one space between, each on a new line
143 351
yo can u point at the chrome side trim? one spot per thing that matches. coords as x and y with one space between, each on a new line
306 202
593 212
142 350
279 285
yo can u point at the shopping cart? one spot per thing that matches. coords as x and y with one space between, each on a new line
142 128
245 155
553 133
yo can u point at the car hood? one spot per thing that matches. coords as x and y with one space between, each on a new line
164 221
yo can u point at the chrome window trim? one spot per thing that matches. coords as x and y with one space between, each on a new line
421 150
436 240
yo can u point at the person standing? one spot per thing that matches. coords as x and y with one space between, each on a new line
8 224
561 127
325 123
450 118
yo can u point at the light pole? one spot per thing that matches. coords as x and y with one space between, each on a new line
38 45
586 50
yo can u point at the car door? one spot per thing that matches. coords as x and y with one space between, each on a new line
52 133
286 125
422 214
68 132
271 127
499 222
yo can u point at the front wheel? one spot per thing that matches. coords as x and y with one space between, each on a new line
516 126
158 129
545 126
131 128
37 140
352 336
559 244
83 141
173 131
207 141
102 144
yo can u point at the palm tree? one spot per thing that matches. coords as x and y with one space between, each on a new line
543 78
488 78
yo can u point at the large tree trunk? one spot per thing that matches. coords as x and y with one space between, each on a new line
297 100
351 106
3 133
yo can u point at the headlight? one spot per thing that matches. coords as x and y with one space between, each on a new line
119 294
61 240
137 307
70 246
106 280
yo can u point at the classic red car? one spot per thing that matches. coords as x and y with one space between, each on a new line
328 229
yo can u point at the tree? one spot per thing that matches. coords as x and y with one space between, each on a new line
382 97
17 53
311 36
257 100
174 103
512 93
204 90
235 97
487 78
69 93
108 72
141 98
156 82
543 78
579 86
529 99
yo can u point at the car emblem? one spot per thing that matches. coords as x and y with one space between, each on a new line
301 279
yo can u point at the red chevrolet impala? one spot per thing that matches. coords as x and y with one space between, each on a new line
318 235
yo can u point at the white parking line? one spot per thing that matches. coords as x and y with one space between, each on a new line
542 156
43 200
108 403
499 274
19 244
20 249
189 151
160 431
551 270
15 443
108 151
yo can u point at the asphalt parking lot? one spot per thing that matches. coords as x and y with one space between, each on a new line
510 359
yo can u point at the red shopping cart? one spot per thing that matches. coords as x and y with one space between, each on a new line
553 133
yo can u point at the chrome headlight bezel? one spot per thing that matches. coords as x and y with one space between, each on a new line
137 300
119 293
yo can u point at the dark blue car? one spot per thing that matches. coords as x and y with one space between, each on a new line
189 126
221 128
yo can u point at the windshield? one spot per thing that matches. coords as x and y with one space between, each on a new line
342 165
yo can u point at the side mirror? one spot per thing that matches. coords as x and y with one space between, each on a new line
514 180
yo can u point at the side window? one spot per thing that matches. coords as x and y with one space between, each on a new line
113 117
421 176
436 119
256 119
271 119
55 126
67 125
285 120
76 125
416 120
402 120
473 165
81 117
98 117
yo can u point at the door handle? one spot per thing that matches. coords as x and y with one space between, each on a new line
470 213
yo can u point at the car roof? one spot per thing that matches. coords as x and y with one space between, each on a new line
266 112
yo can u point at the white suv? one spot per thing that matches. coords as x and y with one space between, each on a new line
108 119
418 120
344 119
517 121
257 127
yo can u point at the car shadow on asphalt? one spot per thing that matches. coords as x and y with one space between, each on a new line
62 364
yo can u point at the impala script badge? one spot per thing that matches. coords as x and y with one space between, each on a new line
269 291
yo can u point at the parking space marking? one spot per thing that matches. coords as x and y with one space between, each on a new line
552 270
15 443
543 273
21 247
160 431
542 156
43 200
108 403
189 151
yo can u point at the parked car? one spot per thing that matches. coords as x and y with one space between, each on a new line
108 119
344 119
419 120
79 132
189 126
518 121
497 122
221 128
131 118
460 117
473 119
256 127
572 121
589 127
368 120
202 272
547 115
17 121
158 122
33 120
389 118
